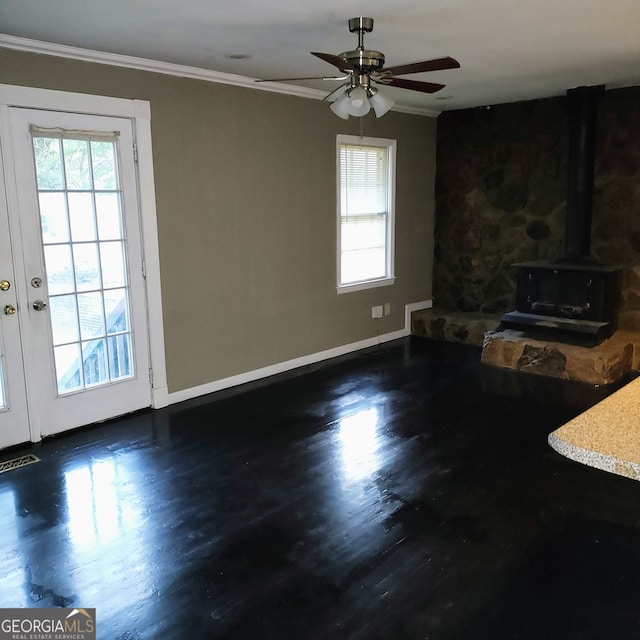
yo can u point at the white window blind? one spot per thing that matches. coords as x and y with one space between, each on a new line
363 180
365 212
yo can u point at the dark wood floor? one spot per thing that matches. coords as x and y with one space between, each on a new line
405 492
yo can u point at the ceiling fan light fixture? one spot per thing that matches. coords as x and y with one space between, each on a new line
381 103
359 102
341 107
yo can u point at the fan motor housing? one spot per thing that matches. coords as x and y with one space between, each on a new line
363 59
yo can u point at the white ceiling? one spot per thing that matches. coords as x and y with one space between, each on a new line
509 50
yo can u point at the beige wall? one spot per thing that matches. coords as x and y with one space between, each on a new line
245 188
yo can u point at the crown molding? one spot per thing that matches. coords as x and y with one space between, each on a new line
171 69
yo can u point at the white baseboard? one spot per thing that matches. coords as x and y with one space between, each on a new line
282 367
414 306
159 397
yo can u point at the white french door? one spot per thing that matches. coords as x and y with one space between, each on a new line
14 420
75 346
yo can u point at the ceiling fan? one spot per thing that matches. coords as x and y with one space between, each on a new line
361 68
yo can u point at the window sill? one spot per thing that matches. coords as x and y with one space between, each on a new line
369 284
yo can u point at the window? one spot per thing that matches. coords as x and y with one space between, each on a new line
366 181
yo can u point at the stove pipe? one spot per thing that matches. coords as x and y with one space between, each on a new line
582 114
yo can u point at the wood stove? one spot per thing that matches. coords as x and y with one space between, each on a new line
575 296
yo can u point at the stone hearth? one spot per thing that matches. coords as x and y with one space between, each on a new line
609 361
613 359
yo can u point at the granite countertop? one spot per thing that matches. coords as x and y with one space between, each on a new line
606 436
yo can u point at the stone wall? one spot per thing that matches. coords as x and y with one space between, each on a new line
453 326
501 197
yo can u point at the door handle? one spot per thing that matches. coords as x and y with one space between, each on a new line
39 305
9 309
5 285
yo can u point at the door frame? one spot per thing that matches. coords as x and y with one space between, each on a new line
139 112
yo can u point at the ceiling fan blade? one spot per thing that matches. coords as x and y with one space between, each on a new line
336 61
417 67
414 85
304 78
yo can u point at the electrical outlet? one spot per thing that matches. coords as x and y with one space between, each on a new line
376 312
387 308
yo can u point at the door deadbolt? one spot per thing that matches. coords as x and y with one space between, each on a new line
9 309
5 285
39 305
36 283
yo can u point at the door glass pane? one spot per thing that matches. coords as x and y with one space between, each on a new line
105 175
81 217
64 319
87 267
112 260
120 356
95 362
116 310
108 214
76 164
68 372
57 258
91 315
48 163
53 216
85 257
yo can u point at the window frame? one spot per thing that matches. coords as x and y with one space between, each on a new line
391 150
